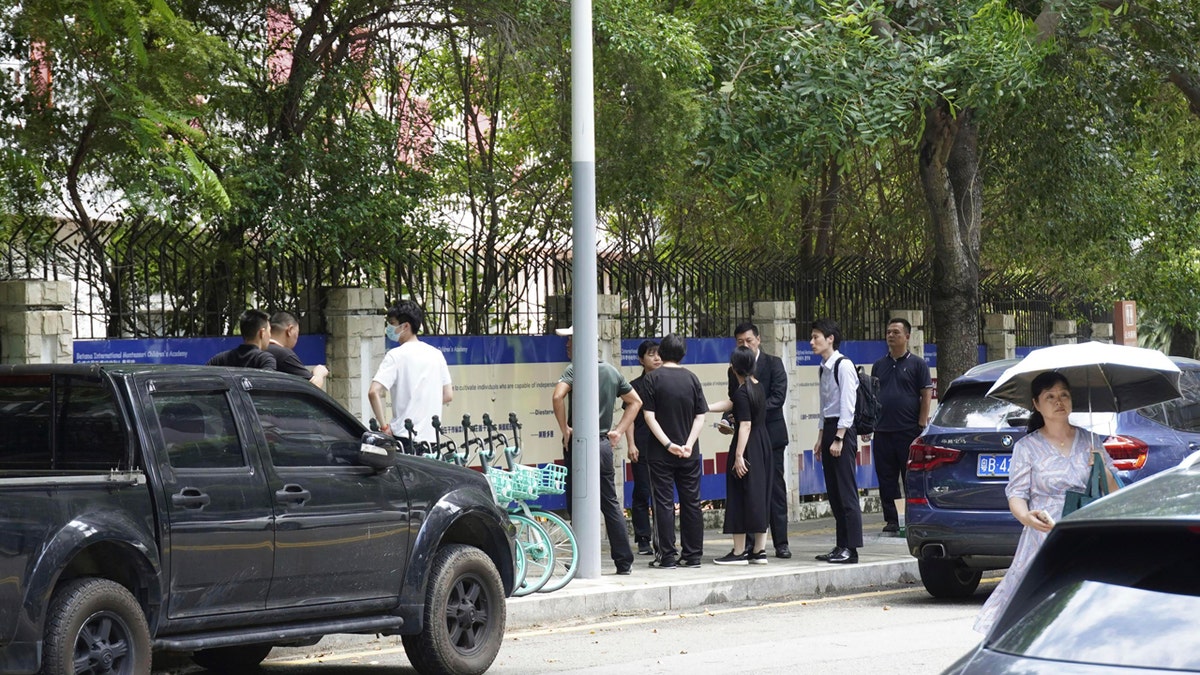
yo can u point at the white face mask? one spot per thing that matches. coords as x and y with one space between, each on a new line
392 333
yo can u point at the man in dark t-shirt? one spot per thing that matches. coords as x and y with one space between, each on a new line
674 408
285 333
637 438
255 327
905 392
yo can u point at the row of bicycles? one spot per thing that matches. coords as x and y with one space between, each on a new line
547 555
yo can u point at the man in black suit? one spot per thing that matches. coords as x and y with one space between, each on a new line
771 375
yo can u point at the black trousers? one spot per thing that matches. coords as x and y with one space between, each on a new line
610 507
841 484
779 501
642 502
891 466
666 478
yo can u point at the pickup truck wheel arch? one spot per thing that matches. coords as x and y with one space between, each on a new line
96 625
464 615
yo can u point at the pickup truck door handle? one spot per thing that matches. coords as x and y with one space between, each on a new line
292 494
190 498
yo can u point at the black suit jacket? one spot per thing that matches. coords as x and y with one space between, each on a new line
771 375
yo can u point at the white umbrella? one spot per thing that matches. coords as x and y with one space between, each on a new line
1103 377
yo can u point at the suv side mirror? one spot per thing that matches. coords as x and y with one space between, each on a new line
376 450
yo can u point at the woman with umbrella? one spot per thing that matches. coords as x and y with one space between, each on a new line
1052 458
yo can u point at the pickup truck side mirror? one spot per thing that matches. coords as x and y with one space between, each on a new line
376 450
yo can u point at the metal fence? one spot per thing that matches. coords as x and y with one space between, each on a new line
142 279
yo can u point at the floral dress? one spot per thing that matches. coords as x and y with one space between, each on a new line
1041 475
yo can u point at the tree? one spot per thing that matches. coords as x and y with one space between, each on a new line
101 131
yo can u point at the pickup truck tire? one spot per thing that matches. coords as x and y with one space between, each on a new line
95 626
232 659
948 578
464 615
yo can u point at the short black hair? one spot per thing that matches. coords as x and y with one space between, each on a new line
281 321
251 321
745 326
672 348
645 347
407 311
742 361
829 328
902 322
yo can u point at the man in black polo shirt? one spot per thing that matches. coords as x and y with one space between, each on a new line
285 333
905 391
255 326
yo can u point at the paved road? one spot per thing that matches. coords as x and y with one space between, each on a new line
894 630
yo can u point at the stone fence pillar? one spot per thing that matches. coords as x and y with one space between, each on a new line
354 347
916 318
1102 332
35 322
999 336
1062 332
776 323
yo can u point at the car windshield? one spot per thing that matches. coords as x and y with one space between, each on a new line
1111 625
976 410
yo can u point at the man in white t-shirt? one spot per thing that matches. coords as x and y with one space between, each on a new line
415 375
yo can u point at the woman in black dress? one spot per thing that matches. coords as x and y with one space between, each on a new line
747 471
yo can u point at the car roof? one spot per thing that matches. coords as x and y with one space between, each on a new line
1172 495
988 373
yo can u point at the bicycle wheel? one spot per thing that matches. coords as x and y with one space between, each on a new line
566 551
539 554
519 567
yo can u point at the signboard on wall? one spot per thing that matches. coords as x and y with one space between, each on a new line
180 350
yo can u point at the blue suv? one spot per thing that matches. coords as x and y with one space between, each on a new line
957 519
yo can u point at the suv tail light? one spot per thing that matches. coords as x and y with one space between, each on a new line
1127 452
925 457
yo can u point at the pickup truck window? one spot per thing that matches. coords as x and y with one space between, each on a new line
198 430
60 424
300 431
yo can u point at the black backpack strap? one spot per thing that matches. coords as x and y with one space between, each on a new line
837 366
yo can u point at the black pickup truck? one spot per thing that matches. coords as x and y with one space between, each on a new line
221 512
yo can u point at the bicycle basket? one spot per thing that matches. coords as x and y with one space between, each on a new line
502 485
552 479
525 481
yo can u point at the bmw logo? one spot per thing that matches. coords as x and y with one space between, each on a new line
1006 440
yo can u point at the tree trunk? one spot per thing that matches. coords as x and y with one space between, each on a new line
949 166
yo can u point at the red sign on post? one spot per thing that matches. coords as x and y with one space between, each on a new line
1125 323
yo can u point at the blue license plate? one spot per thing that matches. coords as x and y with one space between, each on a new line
993 466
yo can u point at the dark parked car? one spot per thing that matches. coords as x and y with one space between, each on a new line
1115 586
221 512
957 517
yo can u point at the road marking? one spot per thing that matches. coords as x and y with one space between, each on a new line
621 623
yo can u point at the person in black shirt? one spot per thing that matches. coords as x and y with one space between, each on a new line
255 326
770 372
285 333
674 409
638 439
905 393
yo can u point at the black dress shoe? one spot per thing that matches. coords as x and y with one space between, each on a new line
826 556
783 552
846 556
891 528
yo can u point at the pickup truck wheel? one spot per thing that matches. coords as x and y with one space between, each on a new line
948 578
96 626
231 659
464 615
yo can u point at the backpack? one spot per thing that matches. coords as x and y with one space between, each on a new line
866 403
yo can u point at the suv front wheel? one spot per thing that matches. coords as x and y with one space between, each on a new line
948 578
464 615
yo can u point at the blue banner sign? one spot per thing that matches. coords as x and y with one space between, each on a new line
180 351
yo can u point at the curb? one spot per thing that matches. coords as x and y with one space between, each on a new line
599 598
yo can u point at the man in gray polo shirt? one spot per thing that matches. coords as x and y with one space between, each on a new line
613 385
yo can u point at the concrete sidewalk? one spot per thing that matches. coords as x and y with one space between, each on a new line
883 561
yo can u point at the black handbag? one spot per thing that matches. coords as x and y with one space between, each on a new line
1096 488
